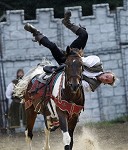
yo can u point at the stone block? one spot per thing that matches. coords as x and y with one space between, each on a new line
109 110
118 72
105 57
107 91
9 65
106 28
17 35
91 104
94 29
120 109
96 112
102 38
119 91
11 44
111 64
25 44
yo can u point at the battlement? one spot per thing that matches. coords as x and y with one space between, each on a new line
101 22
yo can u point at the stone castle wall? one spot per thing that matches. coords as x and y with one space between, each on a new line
108 38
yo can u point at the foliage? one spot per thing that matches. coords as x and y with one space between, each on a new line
31 6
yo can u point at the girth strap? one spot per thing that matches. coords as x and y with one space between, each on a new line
71 108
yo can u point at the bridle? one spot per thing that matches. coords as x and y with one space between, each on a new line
75 63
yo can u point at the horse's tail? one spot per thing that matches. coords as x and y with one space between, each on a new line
22 85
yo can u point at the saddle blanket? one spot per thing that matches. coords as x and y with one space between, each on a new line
41 92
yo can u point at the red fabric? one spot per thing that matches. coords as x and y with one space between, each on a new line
71 108
55 123
37 90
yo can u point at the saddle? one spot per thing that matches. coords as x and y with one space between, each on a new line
51 69
41 89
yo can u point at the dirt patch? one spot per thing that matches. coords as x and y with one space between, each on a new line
112 137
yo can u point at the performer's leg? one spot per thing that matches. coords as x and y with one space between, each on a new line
81 41
42 39
56 52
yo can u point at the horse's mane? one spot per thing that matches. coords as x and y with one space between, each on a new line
22 85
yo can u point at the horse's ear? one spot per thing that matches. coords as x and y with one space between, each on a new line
68 50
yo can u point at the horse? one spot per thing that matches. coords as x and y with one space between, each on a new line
66 98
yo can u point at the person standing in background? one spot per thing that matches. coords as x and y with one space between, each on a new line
16 110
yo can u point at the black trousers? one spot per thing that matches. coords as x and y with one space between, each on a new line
79 42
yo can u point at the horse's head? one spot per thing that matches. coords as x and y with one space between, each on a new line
73 69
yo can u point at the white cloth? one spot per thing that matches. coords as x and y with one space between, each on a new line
90 61
9 91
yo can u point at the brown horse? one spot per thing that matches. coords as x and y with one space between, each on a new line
66 98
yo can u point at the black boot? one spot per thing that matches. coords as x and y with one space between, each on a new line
38 36
66 21
42 39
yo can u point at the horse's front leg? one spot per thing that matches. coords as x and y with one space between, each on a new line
64 128
71 126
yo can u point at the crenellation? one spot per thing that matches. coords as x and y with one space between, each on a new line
101 10
76 11
46 13
15 16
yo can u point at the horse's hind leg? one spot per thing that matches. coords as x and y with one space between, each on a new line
47 136
30 119
47 133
